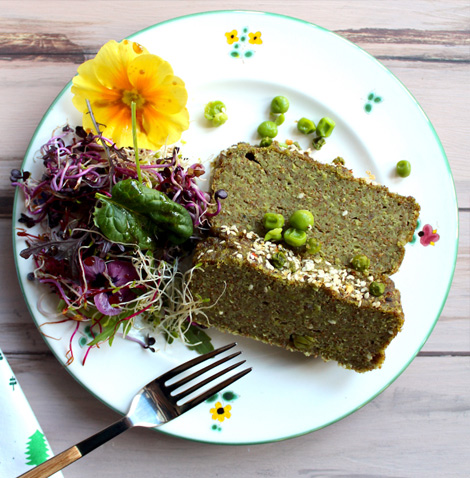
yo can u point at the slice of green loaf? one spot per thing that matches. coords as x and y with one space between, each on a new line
305 304
352 216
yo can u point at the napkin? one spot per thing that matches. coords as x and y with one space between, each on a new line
22 442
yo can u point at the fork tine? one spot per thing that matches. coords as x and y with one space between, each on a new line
196 374
200 384
217 388
195 361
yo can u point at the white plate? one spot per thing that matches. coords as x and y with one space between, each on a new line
378 123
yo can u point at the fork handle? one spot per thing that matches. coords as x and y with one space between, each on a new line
60 461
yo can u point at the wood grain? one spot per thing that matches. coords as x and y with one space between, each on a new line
54 464
38 47
408 36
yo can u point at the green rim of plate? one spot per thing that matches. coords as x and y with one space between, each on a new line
416 104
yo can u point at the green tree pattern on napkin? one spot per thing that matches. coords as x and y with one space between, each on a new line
37 450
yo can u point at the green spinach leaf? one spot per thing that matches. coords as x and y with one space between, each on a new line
121 225
138 214
198 340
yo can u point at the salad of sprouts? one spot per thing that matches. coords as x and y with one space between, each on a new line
116 287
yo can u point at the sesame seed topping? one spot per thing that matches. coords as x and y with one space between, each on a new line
312 270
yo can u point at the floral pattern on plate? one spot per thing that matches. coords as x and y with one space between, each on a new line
239 42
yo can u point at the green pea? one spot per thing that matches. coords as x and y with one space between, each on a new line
278 260
265 142
279 104
377 289
301 220
274 234
214 112
360 262
294 237
325 127
267 129
318 142
306 126
403 168
313 246
280 119
272 220
303 342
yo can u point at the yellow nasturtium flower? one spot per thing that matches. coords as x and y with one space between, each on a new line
125 72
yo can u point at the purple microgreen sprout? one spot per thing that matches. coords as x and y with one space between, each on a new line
111 287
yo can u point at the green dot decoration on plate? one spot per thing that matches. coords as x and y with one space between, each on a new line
372 99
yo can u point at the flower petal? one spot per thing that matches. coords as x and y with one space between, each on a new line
102 304
153 78
93 267
163 129
148 70
112 62
121 272
115 120
87 86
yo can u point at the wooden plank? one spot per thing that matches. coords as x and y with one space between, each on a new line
436 33
418 427
407 44
419 45
39 46
452 332
52 16
408 36
428 82
454 323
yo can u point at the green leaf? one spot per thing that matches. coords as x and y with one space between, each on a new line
120 225
138 213
200 341
109 329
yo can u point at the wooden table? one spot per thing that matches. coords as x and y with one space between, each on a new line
420 426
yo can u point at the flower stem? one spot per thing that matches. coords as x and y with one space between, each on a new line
134 136
103 142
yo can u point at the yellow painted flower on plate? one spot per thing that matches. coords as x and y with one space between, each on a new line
255 38
125 72
221 413
232 37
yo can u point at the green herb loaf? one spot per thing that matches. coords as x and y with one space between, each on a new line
352 216
300 304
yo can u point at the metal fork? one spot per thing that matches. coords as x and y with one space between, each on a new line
154 405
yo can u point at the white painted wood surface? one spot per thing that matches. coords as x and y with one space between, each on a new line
418 427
